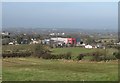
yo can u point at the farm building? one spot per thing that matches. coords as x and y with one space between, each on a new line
65 40
88 46
46 41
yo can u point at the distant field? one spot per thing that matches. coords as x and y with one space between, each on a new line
34 69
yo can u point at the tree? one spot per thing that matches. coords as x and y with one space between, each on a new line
19 39
90 40
117 55
41 51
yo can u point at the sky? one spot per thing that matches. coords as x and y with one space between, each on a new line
84 15
60 0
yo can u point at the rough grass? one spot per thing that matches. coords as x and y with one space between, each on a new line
34 69
18 47
0 69
77 50
74 50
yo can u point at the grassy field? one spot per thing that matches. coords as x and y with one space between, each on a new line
18 47
36 69
56 70
74 50
0 69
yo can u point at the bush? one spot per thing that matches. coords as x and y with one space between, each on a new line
62 56
80 56
102 56
17 54
42 51
96 58
67 56
46 56
117 55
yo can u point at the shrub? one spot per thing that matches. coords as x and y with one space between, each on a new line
62 56
59 56
17 54
98 56
117 55
46 56
102 56
80 56
109 57
67 55
41 51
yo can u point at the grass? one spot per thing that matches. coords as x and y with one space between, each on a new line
74 50
18 47
0 69
34 69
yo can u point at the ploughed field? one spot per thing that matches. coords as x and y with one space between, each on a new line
35 69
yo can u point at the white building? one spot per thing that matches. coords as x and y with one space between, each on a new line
59 39
34 41
88 46
11 43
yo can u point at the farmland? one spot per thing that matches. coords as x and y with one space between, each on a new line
73 50
34 69
38 69
59 42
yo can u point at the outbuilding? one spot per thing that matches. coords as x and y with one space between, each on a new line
88 46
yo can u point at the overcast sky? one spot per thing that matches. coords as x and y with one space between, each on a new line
60 14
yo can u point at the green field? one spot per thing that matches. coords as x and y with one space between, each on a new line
18 47
74 50
0 69
34 69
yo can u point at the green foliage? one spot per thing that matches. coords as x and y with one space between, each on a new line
67 55
117 54
9 55
80 56
19 39
72 53
41 51
97 56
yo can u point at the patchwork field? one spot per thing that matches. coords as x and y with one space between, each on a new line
35 69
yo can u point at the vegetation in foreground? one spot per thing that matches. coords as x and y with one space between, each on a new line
27 62
33 69
71 53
